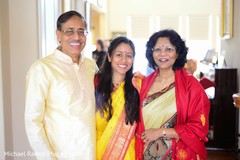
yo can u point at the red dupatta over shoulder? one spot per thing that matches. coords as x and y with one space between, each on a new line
192 117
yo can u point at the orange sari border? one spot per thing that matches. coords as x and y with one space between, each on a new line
120 140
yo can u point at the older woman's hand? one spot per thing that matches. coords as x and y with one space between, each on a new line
150 135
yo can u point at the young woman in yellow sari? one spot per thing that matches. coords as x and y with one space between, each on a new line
116 103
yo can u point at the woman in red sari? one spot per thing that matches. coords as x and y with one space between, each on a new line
174 107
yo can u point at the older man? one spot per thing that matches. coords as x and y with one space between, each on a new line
60 105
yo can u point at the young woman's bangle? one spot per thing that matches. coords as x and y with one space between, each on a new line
164 134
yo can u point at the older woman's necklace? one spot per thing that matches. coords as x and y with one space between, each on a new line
161 85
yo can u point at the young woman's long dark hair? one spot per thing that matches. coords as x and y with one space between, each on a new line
105 87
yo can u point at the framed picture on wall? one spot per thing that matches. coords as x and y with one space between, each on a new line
226 19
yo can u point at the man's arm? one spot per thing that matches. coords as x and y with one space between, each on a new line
36 93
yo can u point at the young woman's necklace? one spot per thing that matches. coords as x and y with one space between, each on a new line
116 85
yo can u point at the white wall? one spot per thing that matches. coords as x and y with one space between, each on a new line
2 142
119 10
6 109
23 29
19 48
231 46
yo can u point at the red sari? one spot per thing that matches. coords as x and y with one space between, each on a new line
192 117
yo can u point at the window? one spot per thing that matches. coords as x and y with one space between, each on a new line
48 12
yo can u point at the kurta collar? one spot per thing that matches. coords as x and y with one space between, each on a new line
64 57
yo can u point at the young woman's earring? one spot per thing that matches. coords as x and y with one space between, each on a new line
109 58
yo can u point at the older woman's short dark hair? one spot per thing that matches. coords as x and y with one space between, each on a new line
175 40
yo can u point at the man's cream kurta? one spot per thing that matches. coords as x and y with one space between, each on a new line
60 108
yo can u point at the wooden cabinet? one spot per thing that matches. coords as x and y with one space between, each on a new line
223 114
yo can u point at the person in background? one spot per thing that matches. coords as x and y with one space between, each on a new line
60 102
117 103
99 54
107 43
174 107
191 66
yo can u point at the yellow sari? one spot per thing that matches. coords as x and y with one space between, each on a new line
115 139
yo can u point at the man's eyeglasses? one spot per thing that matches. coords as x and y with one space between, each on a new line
71 32
166 49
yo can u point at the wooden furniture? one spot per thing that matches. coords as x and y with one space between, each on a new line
223 114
